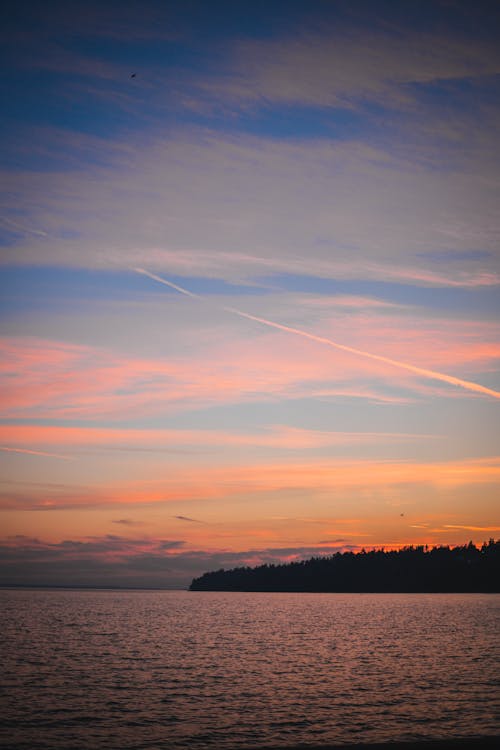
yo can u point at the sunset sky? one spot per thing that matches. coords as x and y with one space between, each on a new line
250 283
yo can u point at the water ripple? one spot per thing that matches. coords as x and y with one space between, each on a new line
179 670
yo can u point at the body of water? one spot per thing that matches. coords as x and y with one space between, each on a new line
177 669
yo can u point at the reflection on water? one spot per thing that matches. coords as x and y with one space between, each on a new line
174 669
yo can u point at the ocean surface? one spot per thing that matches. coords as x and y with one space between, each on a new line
177 669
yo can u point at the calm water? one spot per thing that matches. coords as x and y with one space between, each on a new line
122 669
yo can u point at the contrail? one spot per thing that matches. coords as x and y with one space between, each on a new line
35 453
167 283
430 374
23 228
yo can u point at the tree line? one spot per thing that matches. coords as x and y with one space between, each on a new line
464 568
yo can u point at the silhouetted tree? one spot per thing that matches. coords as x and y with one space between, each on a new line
411 569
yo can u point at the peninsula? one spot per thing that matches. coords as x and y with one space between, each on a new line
420 569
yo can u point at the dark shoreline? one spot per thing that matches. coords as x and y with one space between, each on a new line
459 743
461 569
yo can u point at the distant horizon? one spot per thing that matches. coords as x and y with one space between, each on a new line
186 587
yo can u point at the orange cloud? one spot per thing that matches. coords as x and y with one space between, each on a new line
226 482
275 437
471 528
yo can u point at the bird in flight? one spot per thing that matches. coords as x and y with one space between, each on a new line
133 75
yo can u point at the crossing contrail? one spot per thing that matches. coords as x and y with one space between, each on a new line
429 374
35 453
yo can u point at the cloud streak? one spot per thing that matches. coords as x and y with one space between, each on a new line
35 453
278 436
187 518
296 205
329 68
423 372
213 483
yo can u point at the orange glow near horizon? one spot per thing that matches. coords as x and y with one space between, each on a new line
226 481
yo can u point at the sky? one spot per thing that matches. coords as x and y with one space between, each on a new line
249 283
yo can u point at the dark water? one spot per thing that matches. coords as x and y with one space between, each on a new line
129 669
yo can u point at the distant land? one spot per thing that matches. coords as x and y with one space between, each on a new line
418 569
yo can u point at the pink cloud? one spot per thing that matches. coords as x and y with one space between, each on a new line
49 379
275 437
467 279
33 452
43 378
350 301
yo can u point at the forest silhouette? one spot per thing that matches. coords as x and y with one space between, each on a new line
420 569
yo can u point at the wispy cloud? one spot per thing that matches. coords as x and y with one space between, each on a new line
279 436
471 528
338 68
226 482
187 518
35 453
283 197
421 371
22 228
